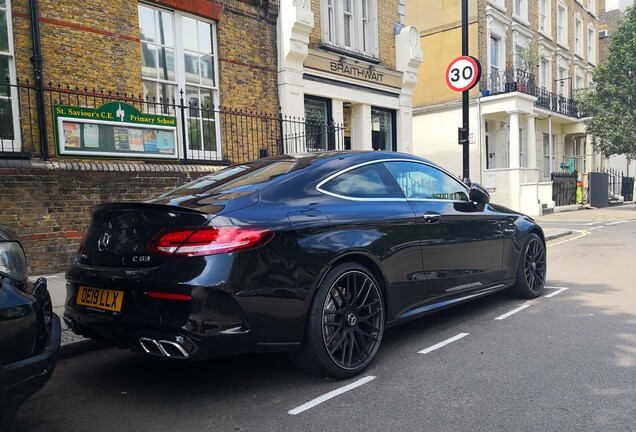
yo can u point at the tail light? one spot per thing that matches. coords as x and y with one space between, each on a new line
209 240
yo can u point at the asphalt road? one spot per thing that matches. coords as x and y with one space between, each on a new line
563 362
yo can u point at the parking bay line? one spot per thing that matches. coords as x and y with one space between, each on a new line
559 290
512 312
443 343
615 223
330 395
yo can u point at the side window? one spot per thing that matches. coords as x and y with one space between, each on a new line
420 181
369 181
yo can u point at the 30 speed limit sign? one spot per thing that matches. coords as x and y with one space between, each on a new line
463 73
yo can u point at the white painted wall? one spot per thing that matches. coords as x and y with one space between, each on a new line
435 138
619 163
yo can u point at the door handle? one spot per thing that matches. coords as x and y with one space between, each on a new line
431 217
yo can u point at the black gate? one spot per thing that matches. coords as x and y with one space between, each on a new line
627 188
563 189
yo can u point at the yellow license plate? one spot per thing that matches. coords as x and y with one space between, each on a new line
100 298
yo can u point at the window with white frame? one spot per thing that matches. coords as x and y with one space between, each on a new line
9 126
544 73
495 43
562 81
518 57
578 81
543 15
178 52
351 24
547 159
578 35
591 6
520 8
562 24
591 45
523 151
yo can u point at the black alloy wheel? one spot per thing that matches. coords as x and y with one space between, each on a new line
532 267
345 324
352 320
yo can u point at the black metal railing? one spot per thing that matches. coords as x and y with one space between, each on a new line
619 184
516 80
563 188
556 103
507 81
205 133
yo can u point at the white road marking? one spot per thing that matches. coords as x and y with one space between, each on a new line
444 343
330 395
559 290
593 223
616 223
512 312
581 234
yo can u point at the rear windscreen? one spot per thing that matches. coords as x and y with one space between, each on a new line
234 177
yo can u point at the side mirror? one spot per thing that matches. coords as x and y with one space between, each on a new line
479 194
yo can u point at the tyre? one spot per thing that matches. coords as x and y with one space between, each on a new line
345 324
531 269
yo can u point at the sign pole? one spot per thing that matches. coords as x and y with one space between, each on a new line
462 74
466 124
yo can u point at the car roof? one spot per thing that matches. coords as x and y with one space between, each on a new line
354 155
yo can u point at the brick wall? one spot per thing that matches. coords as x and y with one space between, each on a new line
86 43
48 203
610 20
248 57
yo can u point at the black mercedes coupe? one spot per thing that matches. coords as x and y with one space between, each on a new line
311 254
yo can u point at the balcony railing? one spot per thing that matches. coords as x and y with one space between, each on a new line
510 80
515 80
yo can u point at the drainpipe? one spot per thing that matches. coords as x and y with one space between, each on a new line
39 86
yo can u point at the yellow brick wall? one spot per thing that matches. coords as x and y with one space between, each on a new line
247 61
83 43
439 22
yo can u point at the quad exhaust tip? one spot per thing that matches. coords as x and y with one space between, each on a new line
163 348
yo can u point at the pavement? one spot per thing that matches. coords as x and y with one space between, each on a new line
73 344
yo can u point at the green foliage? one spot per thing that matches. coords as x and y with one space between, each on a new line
611 104
529 57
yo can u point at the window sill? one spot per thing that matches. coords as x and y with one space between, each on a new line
521 19
545 34
349 53
498 5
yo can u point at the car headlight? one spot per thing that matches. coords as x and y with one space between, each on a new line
12 261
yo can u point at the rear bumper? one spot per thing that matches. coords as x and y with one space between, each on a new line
225 305
164 341
20 380
213 323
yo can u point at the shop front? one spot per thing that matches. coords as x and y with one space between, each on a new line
356 97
